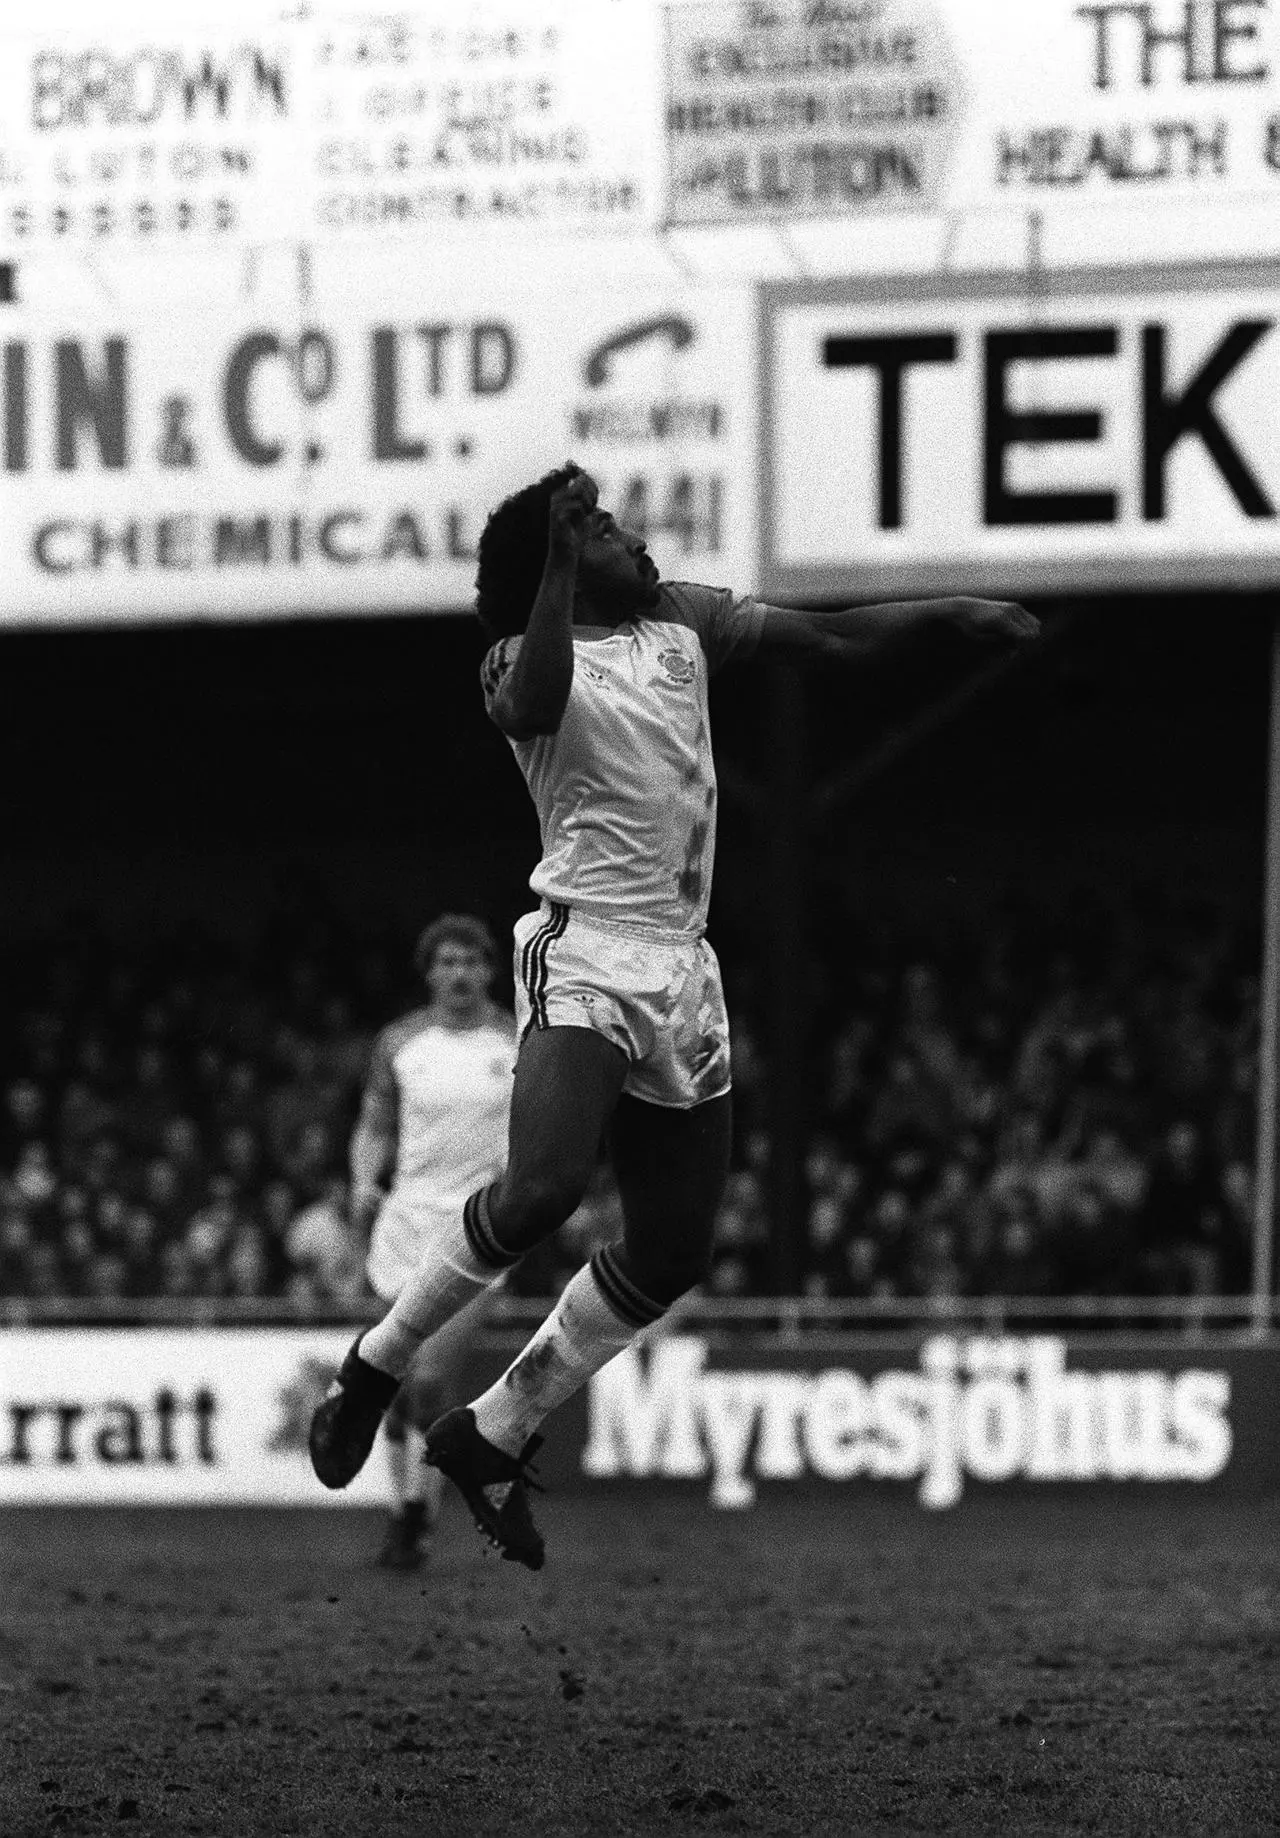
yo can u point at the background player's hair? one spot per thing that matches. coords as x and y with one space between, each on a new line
453 929
512 554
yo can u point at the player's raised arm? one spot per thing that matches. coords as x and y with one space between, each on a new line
852 632
532 697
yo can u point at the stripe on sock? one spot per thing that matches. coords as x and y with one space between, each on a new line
627 1302
477 1225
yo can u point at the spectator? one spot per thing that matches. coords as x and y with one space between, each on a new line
150 1099
912 1110
240 1154
863 1276
1180 1235
110 1212
71 1208
84 1116
182 1147
240 1102
321 1246
208 1071
1019 1263
179 1277
740 1250
16 1242
889 1227
932 1269
248 1263
1238 1225
34 1179
211 1232
311 1159
1115 1169
342 1047
46 1278
277 1205
160 1191
106 1278
77 1251
140 1246
307 1102
25 1120
1094 1242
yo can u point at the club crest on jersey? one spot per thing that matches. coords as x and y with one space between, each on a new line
679 668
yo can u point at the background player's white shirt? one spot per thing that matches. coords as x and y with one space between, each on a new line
447 1095
625 789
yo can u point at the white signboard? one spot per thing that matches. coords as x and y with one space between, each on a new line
501 114
1104 432
167 1417
234 454
497 120
787 108
987 1409
1082 102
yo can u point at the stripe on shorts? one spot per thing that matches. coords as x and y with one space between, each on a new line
627 1302
533 966
478 1226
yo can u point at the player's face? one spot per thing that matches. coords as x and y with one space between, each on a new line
616 571
458 979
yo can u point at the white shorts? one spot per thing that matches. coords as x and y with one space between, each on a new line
403 1229
657 996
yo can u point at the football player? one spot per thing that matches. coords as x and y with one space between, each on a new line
598 677
432 1128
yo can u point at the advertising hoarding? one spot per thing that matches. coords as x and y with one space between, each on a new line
783 109
986 432
1075 105
331 123
509 118
170 1417
253 452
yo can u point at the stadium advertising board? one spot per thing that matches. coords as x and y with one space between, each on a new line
994 1410
336 449
501 115
1114 101
508 117
190 1417
989 432
829 108
804 108
164 1417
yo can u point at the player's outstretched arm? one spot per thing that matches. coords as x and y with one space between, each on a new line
853 632
532 697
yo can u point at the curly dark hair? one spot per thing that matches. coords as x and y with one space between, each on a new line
453 929
512 553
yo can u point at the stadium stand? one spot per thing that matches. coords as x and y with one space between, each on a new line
1029 1104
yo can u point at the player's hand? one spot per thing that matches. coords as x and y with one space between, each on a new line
996 621
570 515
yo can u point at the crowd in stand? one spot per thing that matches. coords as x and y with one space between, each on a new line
1026 1109
1055 1103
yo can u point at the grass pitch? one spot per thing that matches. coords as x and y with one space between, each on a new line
1041 1667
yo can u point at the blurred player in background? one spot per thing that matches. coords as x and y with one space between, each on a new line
432 1126
598 678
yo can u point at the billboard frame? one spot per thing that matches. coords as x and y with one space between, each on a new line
1039 288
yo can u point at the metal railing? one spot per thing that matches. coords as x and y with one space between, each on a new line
787 1318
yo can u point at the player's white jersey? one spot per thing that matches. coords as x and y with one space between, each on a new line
445 1096
625 789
